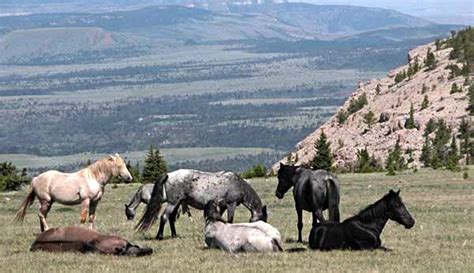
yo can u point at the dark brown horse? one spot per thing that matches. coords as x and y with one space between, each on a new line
313 191
363 230
85 240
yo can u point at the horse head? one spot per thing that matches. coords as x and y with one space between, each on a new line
129 212
397 211
285 179
211 212
259 215
120 168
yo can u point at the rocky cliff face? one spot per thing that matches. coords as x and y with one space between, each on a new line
391 102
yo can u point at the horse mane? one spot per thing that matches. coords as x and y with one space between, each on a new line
375 210
100 167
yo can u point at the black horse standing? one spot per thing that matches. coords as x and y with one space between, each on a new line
313 191
363 230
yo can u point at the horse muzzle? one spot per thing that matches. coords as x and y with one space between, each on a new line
410 224
279 195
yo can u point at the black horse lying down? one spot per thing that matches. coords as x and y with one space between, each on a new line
363 230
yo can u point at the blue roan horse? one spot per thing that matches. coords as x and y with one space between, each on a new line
313 191
363 230
196 189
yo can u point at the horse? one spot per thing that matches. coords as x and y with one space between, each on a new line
83 187
85 240
363 230
142 195
257 236
313 191
196 188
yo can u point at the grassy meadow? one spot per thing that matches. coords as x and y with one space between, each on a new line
442 203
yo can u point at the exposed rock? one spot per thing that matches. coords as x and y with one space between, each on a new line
392 105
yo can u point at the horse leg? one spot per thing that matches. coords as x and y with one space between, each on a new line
164 218
84 207
92 207
172 221
45 206
222 209
318 216
299 213
230 212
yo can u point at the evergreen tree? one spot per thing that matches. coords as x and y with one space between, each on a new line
471 99
430 127
341 116
395 160
430 60
323 158
452 161
442 137
410 122
425 156
363 164
424 89
425 103
455 89
369 119
465 136
155 165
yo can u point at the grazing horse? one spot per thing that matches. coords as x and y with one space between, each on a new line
85 240
257 236
143 194
313 191
83 187
196 188
363 230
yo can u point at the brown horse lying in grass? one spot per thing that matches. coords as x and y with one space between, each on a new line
85 240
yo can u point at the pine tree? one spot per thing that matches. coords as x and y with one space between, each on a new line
363 164
464 135
430 127
341 116
425 103
430 60
323 158
471 99
425 156
424 89
452 161
369 119
442 137
155 165
410 122
395 160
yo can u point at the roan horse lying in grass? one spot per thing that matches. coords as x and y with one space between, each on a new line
84 187
363 230
257 236
85 240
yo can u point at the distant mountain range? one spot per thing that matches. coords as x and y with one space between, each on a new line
49 34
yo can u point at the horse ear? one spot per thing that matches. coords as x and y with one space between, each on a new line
117 155
281 165
264 210
398 192
126 206
111 157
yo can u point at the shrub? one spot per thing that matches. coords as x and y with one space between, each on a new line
258 170
10 178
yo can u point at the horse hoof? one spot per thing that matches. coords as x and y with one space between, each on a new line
159 237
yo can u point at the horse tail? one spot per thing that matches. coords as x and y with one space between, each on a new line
333 199
30 198
154 205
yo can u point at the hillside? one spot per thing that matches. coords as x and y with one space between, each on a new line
390 100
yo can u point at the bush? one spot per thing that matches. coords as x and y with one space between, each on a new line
10 178
258 170
357 104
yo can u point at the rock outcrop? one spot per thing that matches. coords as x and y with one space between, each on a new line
390 102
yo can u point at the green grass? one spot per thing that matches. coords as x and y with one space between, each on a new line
172 155
442 239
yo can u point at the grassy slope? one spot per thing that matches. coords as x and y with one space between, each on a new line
442 239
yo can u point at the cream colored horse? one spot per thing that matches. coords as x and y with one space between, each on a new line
84 187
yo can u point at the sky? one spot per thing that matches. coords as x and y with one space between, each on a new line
447 11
